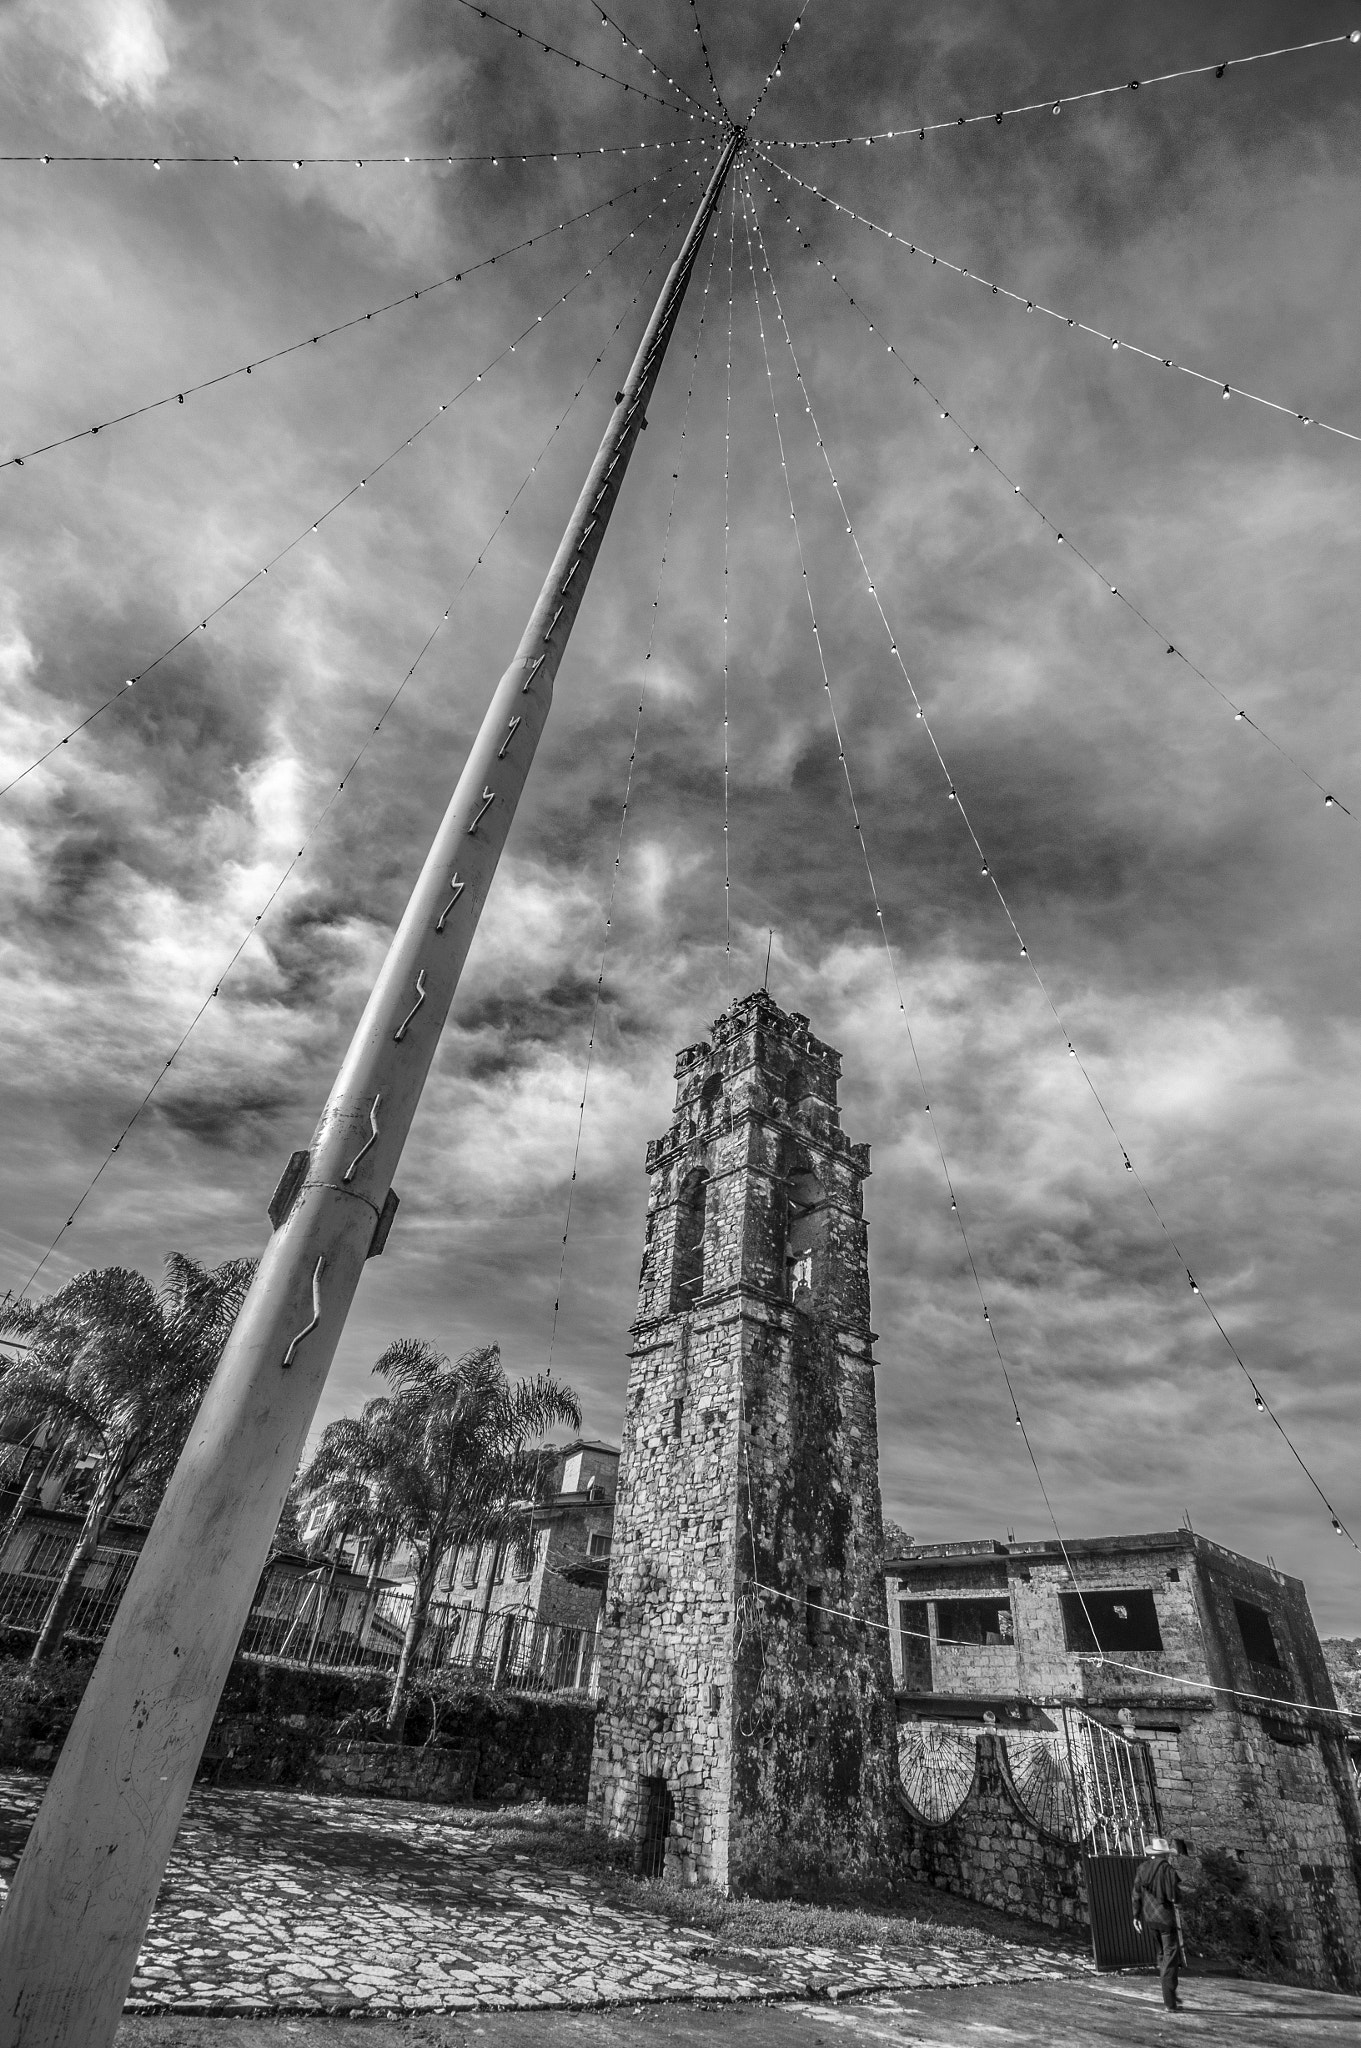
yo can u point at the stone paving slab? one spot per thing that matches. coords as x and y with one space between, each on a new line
287 1902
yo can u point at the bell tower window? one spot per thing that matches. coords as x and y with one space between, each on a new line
688 1271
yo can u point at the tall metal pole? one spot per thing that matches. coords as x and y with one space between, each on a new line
89 1874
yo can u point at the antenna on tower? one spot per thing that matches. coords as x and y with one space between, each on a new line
770 940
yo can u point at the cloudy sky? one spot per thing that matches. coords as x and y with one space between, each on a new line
1187 899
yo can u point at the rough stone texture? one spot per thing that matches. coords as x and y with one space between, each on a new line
992 1851
1250 1757
741 1674
292 1904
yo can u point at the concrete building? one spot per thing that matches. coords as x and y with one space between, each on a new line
564 1581
1205 1661
744 1727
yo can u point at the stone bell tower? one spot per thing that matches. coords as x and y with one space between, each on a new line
745 1730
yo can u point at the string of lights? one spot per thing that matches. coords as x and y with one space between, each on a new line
723 113
1241 716
630 43
778 66
554 50
292 348
989 871
334 795
727 534
314 525
608 933
1116 343
921 129
359 163
749 217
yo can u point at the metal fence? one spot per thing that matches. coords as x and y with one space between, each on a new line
307 1618
1082 1781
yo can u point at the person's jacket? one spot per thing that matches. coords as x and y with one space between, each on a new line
1155 1892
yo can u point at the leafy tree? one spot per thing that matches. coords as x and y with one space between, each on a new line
447 1458
121 1366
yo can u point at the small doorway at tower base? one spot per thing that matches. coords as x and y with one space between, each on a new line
656 1810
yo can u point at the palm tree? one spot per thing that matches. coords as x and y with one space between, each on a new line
446 1458
121 1367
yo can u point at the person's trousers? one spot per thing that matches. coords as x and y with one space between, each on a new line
1169 1961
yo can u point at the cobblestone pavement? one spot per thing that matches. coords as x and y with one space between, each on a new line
293 1903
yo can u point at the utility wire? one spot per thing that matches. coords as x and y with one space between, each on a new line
1241 717
727 529
1225 389
750 217
777 67
630 43
624 809
312 527
359 163
248 369
553 50
1262 1405
334 797
1071 99
723 113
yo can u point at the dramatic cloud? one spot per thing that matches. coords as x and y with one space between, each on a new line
1189 906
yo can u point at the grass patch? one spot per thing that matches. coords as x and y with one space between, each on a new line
556 1837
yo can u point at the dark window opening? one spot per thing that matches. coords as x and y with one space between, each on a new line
1111 1621
710 1095
688 1269
916 1641
812 1614
656 1809
793 1089
985 1622
1254 1626
677 1418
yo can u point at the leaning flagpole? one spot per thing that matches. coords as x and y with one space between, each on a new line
90 1871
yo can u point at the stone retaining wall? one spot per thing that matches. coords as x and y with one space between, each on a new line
993 1852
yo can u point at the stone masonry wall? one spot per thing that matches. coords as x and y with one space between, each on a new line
992 1851
750 1422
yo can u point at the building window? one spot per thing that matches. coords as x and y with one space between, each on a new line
499 1568
677 1418
687 1272
986 1623
472 1560
1111 1621
813 1614
1254 1626
598 1544
916 1642
571 1473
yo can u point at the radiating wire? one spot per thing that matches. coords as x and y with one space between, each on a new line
344 498
334 797
749 216
1262 1405
276 355
1055 105
1115 342
1241 717
553 50
624 809
358 163
727 529
723 113
607 20
777 66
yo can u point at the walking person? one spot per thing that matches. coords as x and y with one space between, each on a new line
1154 1898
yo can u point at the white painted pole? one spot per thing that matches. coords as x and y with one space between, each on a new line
89 1874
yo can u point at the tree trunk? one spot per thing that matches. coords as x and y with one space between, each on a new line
415 1629
28 1494
371 1595
69 1586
